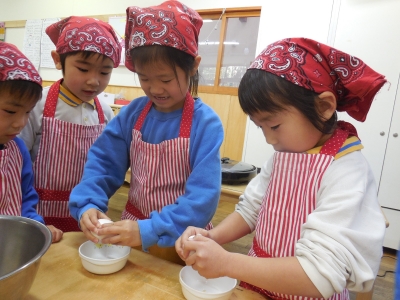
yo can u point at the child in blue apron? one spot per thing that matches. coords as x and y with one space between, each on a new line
70 117
318 225
169 139
20 89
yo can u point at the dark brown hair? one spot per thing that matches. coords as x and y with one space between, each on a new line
170 56
85 55
263 91
21 90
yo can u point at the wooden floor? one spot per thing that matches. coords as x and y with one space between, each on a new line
383 289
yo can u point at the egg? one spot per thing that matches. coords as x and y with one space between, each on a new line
101 221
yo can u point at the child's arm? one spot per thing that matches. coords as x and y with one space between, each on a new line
105 169
31 133
281 275
343 237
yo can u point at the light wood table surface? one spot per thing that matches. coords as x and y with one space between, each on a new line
62 276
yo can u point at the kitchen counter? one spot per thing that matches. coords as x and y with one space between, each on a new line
231 192
62 276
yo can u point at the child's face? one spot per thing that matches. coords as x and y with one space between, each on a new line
86 78
160 84
14 115
288 130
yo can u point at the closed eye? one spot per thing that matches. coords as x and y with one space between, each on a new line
9 111
82 70
275 127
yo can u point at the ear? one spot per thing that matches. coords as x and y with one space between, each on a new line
196 64
56 59
326 105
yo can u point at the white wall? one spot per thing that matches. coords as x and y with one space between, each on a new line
42 9
283 19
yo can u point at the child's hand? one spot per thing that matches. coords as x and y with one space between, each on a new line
123 233
190 231
206 256
56 233
89 223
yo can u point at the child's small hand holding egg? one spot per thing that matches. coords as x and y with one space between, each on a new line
101 221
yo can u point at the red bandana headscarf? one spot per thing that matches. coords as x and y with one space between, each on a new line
85 34
16 66
171 24
321 68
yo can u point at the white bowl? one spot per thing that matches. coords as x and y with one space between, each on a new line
103 258
196 287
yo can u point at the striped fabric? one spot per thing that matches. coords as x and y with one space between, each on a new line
10 180
158 171
60 161
289 199
295 181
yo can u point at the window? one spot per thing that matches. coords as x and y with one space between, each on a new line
227 46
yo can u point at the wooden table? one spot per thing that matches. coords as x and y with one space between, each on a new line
62 276
232 192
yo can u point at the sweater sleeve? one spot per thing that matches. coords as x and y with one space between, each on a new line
341 242
30 198
198 204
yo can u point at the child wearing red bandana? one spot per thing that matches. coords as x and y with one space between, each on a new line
169 138
314 209
70 117
20 89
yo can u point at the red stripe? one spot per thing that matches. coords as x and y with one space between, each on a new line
10 180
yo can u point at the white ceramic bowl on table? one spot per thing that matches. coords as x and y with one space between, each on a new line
103 258
196 287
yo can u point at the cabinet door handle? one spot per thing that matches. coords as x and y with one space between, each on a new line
395 135
382 133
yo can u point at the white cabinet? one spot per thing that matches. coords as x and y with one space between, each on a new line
389 188
360 31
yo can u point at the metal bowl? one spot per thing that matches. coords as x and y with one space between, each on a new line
23 242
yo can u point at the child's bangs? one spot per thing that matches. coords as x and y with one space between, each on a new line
258 91
151 56
22 90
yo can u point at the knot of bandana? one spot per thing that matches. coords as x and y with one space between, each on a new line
321 68
16 66
85 34
169 24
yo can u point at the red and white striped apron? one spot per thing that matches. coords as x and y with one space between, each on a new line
10 180
158 171
60 161
289 199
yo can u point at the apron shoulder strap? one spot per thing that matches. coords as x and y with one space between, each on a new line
51 100
334 143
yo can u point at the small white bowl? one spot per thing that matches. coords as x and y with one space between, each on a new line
103 258
101 221
196 287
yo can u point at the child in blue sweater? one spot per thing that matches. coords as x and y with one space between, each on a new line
169 139
20 89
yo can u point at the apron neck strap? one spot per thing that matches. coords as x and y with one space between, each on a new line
186 121
52 98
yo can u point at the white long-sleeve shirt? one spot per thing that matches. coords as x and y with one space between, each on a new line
83 114
341 242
